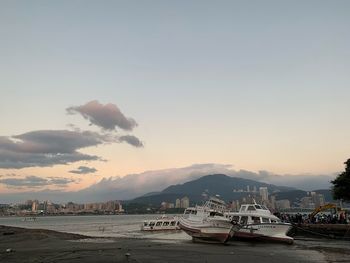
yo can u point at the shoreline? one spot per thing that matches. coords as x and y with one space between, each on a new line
41 245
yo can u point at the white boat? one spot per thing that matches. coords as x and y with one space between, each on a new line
259 223
26 219
161 223
207 222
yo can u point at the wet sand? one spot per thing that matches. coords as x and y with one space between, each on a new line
35 245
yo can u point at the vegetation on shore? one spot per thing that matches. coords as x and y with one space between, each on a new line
341 184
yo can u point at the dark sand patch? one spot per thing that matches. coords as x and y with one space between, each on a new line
36 245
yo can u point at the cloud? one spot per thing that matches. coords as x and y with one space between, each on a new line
131 139
133 185
35 182
107 117
49 147
83 170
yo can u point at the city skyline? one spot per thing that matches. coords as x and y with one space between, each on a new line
93 91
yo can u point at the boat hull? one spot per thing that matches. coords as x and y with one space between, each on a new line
267 231
209 230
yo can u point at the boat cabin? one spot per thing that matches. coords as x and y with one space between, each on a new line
250 219
254 208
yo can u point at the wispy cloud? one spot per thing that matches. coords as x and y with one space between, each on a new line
36 182
131 139
107 117
83 170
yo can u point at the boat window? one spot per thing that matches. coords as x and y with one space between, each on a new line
264 207
145 223
273 221
187 211
265 220
151 224
166 223
194 212
159 223
251 208
258 207
172 223
178 223
243 220
214 213
235 218
256 219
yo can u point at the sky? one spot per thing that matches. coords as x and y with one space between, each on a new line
98 89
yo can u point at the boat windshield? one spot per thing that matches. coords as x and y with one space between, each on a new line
214 213
251 208
265 220
256 219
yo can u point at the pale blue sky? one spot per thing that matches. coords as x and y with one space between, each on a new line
257 84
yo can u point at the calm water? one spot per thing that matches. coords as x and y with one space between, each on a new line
100 226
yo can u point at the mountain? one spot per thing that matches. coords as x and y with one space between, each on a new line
229 188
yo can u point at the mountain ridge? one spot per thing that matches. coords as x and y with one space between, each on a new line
229 188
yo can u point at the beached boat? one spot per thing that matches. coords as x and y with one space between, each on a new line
31 219
207 222
161 223
259 223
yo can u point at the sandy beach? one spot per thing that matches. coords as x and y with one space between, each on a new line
36 245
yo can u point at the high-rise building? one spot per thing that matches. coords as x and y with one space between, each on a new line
178 203
35 205
318 199
264 193
307 202
273 201
282 204
185 202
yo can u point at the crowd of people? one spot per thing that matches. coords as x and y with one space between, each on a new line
322 218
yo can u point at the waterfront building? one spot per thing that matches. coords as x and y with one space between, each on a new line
264 193
307 202
282 204
35 205
185 202
178 203
318 199
273 202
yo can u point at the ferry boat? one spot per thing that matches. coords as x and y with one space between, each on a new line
31 219
208 223
258 222
161 223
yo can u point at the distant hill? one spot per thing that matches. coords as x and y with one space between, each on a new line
229 188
